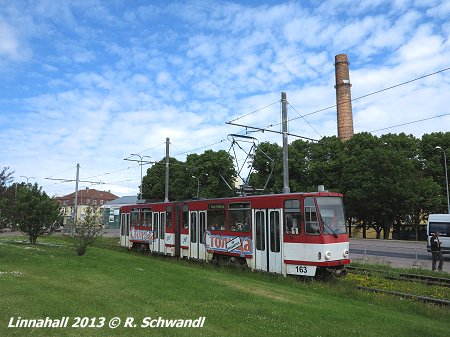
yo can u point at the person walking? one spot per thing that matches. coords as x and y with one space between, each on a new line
436 251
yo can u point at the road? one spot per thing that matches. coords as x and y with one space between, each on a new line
405 254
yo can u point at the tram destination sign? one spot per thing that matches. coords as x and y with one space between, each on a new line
216 206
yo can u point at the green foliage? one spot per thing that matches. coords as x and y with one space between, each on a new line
86 231
268 168
5 180
153 183
208 167
387 181
326 164
433 164
215 171
35 213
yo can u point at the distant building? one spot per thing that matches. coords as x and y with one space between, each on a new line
110 211
88 197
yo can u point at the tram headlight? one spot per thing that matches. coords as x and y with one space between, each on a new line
327 255
345 253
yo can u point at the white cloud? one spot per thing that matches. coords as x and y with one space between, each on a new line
9 43
442 10
423 45
83 57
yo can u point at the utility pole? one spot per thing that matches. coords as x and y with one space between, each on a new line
284 119
285 134
75 203
166 193
446 177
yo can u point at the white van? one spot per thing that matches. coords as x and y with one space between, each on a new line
439 223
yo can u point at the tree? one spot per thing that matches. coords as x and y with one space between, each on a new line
326 163
383 181
214 170
86 231
434 164
5 180
268 168
358 181
35 213
299 166
153 183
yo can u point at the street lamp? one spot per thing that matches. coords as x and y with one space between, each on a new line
198 181
141 162
446 178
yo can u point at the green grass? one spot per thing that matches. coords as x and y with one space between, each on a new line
50 280
378 280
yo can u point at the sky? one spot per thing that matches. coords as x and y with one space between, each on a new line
91 82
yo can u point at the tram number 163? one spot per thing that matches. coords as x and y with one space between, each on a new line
301 269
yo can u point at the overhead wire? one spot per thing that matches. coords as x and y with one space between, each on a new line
250 113
412 122
375 92
295 118
329 107
304 119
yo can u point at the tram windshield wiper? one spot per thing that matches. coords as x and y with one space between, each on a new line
330 229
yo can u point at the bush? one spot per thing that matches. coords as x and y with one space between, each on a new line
86 231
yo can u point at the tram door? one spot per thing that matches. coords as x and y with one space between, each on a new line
159 232
197 227
125 230
267 234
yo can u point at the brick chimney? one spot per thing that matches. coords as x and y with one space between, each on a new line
343 97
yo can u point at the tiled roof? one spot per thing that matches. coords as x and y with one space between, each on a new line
88 194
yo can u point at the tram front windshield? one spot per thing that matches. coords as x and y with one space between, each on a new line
332 215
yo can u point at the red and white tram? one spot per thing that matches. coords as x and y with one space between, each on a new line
296 233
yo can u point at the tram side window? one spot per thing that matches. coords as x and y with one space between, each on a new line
156 225
311 222
216 217
239 215
162 231
292 217
275 231
147 217
124 224
202 227
169 216
135 221
185 217
193 227
260 230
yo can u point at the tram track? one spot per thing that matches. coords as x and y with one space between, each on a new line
419 298
430 280
403 277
